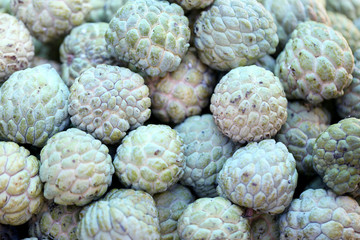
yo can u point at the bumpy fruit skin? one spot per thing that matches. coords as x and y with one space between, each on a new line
153 35
83 48
347 28
60 222
261 176
349 104
171 205
97 12
20 188
316 63
206 150
150 158
336 156
321 214
264 227
303 125
289 13
75 167
50 20
249 104
16 46
111 7
33 106
182 93
122 216
37 61
234 33
106 101
213 218
193 4
350 8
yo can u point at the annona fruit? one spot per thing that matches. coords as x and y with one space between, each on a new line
111 7
261 176
97 12
75 173
16 46
232 33
316 63
249 104
152 35
350 8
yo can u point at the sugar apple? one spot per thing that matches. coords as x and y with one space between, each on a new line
316 63
37 60
171 205
16 46
348 105
75 173
106 101
213 218
350 8
150 158
303 125
111 7
97 12
264 227
121 218
182 93
49 20
33 106
20 188
153 35
83 48
249 104
193 4
206 150
261 176
34 223
289 13
336 156
234 33
321 214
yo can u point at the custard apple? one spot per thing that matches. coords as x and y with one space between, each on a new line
321 214
75 168
50 20
150 34
316 63
16 46
213 218
261 176
182 93
20 189
303 125
206 150
97 12
171 205
350 8
249 104
33 106
37 61
150 158
111 7
106 101
234 33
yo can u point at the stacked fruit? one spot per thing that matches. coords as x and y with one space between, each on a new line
179 119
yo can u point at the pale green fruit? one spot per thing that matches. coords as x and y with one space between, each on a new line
111 7
350 8
97 12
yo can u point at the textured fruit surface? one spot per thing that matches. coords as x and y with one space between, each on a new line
249 104
150 158
350 8
16 47
303 125
289 13
75 167
193 4
171 205
50 20
267 62
106 101
33 106
234 33
336 156
111 7
182 93
37 61
20 188
261 176
321 214
264 227
120 218
206 149
83 48
97 12
153 35
316 63
213 218
349 104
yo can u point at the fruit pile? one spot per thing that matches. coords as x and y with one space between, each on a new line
180 119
